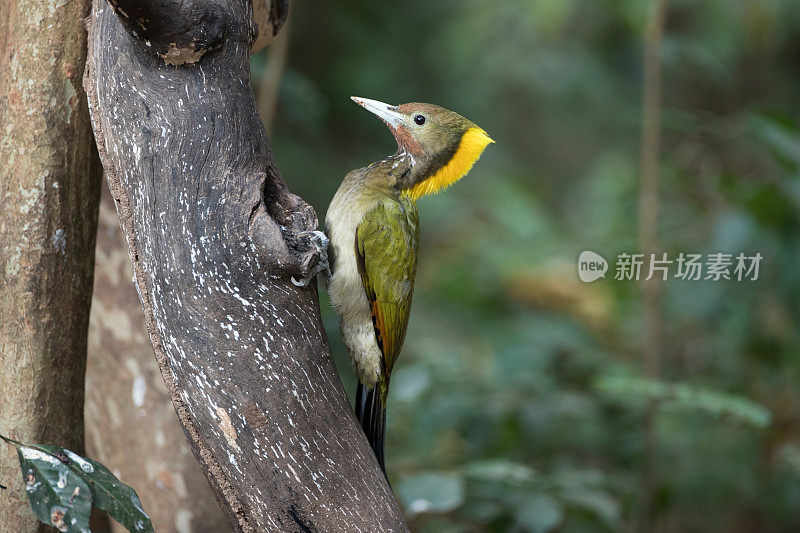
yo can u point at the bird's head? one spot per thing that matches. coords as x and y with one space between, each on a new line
443 145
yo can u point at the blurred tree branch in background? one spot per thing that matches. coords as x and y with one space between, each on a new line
268 88
649 205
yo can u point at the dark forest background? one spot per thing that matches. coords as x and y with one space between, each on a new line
521 400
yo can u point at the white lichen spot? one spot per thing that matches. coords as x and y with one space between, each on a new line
13 263
293 472
69 94
53 6
232 459
59 240
31 197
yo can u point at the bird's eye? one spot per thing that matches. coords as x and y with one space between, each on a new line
419 120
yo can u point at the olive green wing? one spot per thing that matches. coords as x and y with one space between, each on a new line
386 251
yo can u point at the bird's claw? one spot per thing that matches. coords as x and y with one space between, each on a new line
315 262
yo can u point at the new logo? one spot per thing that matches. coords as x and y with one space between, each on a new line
591 266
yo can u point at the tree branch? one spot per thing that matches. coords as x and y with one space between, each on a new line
137 433
270 83
648 237
212 232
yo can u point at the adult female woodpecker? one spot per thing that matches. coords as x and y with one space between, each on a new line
373 228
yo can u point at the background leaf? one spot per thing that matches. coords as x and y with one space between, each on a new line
432 492
540 514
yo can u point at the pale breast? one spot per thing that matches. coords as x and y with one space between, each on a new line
345 288
359 193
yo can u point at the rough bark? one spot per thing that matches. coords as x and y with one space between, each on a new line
49 187
213 234
130 423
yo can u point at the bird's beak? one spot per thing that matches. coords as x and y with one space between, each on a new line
387 113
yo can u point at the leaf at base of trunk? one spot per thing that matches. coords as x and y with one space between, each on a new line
58 495
62 486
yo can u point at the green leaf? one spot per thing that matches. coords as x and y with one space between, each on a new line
540 514
58 496
62 486
433 492
109 493
597 502
118 499
680 396
780 136
501 470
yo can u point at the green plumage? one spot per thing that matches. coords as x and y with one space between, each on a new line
386 255
386 246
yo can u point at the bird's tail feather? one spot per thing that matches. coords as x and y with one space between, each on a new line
371 413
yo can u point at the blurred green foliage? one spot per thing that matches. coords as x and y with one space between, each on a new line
519 400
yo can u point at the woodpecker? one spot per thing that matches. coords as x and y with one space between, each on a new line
373 227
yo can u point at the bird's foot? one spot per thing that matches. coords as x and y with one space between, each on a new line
317 260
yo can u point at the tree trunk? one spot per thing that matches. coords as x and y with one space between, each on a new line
213 234
130 423
49 185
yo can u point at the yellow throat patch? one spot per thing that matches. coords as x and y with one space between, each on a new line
472 144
